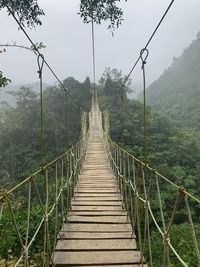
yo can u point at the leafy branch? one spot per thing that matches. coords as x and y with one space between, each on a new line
101 10
4 81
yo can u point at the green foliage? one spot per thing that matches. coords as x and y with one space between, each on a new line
177 92
180 238
20 127
173 151
103 10
112 84
27 11
3 80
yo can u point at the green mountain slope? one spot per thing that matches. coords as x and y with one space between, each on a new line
177 92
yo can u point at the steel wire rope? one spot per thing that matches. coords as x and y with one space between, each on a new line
37 52
149 41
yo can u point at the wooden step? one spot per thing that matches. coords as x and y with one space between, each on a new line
93 245
97 219
96 208
96 203
96 257
95 235
90 227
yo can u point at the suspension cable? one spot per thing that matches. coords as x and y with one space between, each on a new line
149 40
37 52
143 59
93 60
40 61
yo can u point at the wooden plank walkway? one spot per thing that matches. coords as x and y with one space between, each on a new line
97 231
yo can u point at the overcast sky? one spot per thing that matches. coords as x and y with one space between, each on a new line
68 40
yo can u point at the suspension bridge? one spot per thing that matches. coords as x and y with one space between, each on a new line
94 205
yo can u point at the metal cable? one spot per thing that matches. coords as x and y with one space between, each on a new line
37 52
149 40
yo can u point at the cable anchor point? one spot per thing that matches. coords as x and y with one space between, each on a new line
144 53
40 61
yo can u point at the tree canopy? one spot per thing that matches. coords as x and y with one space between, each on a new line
27 11
177 92
102 10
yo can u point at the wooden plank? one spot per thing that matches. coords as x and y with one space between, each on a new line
95 208
85 190
96 257
96 198
97 213
98 186
113 265
85 245
97 182
96 203
97 219
97 195
90 227
95 235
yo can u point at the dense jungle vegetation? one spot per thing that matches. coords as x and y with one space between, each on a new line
176 93
172 150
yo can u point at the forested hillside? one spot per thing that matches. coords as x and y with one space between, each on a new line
20 127
177 92
172 150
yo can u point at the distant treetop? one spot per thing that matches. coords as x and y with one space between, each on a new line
101 10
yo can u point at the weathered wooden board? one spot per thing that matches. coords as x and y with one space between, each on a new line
97 219
96 203
119 265
97 198
95 235
97 257
97 213
84 245
95 208
91 190
97 195
90 227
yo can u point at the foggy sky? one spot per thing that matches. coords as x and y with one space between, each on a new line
68 40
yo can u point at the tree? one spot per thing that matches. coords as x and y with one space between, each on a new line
112 83
3 80
27 11
101 10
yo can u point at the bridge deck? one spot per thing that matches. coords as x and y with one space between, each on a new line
97 231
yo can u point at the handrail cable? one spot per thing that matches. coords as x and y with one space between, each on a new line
37 52
138 194
149 40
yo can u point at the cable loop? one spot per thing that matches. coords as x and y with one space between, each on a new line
40 61
143 56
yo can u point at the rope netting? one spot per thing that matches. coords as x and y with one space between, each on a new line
144 196
32 213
